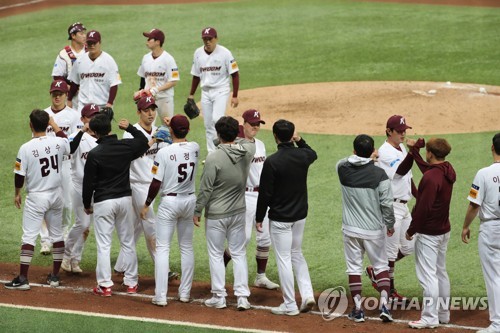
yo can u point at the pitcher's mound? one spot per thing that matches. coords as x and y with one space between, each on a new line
364 107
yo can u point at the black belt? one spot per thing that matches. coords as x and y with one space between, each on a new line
252 189
176 194
401 201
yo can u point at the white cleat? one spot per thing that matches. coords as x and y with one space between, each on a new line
66 265
75 267
216 302
243 304
261 281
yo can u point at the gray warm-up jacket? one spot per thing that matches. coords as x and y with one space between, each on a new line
367 197
222 187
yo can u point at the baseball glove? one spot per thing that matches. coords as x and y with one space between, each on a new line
108 111
140 94
191 109
162 134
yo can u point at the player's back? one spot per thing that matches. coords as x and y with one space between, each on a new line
40 161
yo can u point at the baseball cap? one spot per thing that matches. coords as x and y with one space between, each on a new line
146 102
155 34
74 28
398 123
209 32
58 85
179 123
252 116
93 36
90 110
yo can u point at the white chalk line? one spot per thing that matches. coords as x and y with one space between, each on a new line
200 301
21 4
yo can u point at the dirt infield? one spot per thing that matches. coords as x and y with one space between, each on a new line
437 105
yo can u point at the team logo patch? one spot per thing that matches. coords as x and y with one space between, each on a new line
474 190
234 65
17 166
175 74
154 170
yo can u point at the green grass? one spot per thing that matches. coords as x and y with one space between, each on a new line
275 43
44 322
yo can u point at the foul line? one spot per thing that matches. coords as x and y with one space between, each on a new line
182 323
21 4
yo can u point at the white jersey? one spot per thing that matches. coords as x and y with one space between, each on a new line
95 78
485 191
253 179
140 168
87 143
40 161
213 69
64 63
159 71
67 119
175 166
389 159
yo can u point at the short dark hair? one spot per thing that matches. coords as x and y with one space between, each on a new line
496 143
363 145
180 134
283 129
439 147
100 124
227 128
39 120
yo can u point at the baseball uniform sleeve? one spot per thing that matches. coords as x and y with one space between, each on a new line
173 70
140 71
89 176
195 67
60 67
19 167
476 192
114 75
232 65
159 165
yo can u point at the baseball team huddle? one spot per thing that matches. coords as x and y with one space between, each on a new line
75 165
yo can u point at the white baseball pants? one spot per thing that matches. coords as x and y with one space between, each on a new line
147 226
217 231
489 253
263 238
286 238
165 108
75 241
430 264
37 207
398 242
213 106
174 213
108 215
355 248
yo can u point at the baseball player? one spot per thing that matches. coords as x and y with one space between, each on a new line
106 180
367 216
79 231
68 121
39 163
77 34
483 202
431 226
96 75
174 173
283 188
212 66
159 73
397 163
249 130
222 195
140 178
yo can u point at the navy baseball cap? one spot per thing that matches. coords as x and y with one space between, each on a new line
146 102
155 34
209 32
74 28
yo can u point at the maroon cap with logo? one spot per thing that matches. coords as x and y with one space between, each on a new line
93 36
155 34
90 110
209 32
74 28
179 123
146 102
252 116
397 123
59 85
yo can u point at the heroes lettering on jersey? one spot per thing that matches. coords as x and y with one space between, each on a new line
91 75
65 129
154 74
259 159
210 69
